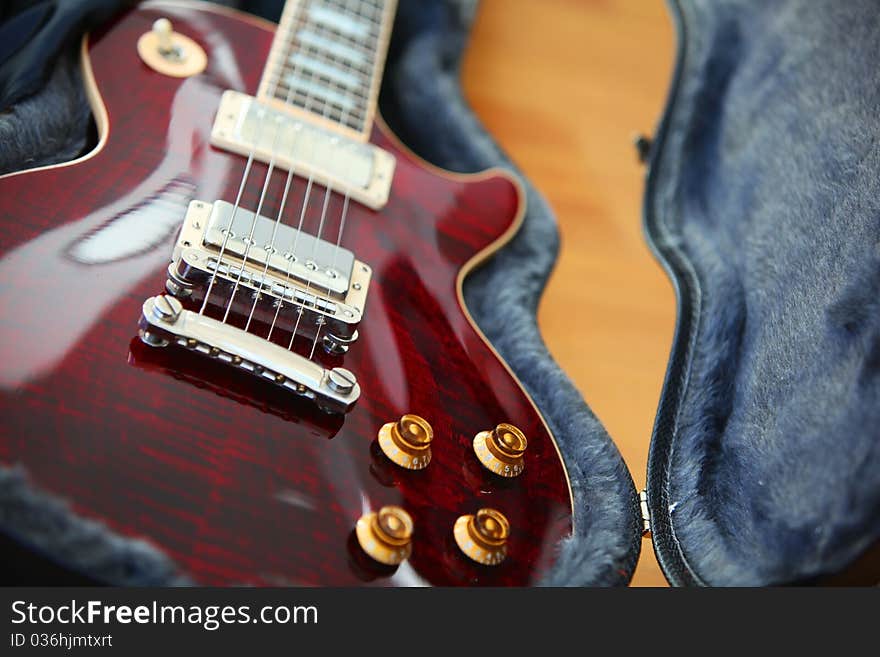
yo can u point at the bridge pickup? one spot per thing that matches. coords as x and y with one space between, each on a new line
164 321
291 254
311 277
270 130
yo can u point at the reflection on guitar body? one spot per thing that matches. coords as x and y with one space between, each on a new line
214 315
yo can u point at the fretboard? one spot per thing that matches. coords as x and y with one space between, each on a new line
327 59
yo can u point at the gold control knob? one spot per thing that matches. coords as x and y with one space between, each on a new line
502 450
386 535
483 536
407 442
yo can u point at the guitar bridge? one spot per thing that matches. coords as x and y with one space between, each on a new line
164 321
304 282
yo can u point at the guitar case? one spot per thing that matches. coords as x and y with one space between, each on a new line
763 203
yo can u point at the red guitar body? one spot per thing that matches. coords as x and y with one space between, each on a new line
234 479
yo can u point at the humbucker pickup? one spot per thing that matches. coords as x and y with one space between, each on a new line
285 278
248 126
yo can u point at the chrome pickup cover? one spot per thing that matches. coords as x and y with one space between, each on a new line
292 253
246 126
328 286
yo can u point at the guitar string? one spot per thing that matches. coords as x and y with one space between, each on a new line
338 241
245 176
290 261
328 192
270 247
295 239
297 233
249 240
345 204
241 186
228 232
309 185
266 183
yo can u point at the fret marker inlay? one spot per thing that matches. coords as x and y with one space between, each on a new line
339 22
339 50
341 77
319 92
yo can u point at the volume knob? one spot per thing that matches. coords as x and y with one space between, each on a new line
483 536
386 535
502 450
407 442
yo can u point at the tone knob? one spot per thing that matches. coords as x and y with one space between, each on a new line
407 442
386 535
502 450
483 536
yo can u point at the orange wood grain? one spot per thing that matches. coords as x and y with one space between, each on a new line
564 85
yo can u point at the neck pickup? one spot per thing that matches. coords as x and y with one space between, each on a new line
275 133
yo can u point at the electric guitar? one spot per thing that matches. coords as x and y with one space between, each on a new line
235 329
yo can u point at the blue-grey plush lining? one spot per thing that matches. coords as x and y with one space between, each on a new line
422 102
764 200
47 127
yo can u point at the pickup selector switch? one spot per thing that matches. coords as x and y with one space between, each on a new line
171 53
407 442
502 450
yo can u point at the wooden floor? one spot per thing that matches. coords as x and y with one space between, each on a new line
564 85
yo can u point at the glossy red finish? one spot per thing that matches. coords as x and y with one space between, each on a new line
233 479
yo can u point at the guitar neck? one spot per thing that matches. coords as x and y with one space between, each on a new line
326 62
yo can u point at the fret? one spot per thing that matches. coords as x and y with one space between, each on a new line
356 99
318 43
315 66
334 50
321 68
316 90
339 22
326 61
